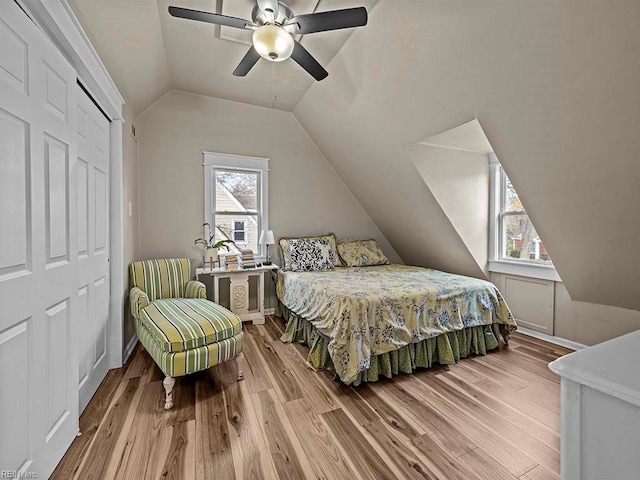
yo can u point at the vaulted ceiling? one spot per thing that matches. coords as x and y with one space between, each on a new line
148 52
553 83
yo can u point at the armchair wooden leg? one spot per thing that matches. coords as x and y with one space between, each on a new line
168 383
239 359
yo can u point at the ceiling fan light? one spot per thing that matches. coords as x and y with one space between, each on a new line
273 43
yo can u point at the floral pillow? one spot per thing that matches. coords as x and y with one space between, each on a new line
308 254
285 248
361 253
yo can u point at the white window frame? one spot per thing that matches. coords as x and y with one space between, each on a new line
497 263
244 230
226 161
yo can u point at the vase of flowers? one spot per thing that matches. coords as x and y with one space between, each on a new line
211 246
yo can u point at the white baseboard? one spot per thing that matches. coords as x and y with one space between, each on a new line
551 339
269 311
129 348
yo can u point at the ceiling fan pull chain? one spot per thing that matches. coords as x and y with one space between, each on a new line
274 76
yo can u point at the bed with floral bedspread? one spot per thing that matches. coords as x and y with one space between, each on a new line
363 322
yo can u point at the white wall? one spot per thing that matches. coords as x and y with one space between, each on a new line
306 196
590 323
130 180
459 181
556 314
554 85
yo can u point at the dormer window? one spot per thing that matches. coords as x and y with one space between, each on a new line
515 245
519 240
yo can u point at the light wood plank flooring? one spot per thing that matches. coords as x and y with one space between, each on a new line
491 417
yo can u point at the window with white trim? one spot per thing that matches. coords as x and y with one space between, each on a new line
514 238
236 200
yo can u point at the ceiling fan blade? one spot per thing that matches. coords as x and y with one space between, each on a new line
303 58
333 20
270 7
248 61
210 17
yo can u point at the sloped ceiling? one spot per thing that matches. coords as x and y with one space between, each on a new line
553 83
128 39
469 137
555 87
148 52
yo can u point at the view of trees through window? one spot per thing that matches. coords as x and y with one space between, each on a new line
520 239
237 215
242 185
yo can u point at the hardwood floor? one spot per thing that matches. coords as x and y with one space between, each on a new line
492 417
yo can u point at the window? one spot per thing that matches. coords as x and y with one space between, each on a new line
236 195
514 240
240 231
519 239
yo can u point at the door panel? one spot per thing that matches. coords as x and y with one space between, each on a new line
58 319
54 248
56 97
101 311
93 197
14 165
56 161
83 334
101 210
83 207
38 248
13 58
14 416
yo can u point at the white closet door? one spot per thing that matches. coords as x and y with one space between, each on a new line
93 245
38 248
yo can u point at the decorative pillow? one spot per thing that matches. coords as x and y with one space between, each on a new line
285 248
308 254
361 253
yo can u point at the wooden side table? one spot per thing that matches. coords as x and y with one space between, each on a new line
239 289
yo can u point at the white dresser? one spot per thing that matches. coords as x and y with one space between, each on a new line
600 410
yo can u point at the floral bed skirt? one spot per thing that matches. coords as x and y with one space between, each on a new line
444 349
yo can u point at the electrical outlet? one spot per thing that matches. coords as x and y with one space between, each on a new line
130 209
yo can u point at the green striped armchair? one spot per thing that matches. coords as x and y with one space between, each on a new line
182 330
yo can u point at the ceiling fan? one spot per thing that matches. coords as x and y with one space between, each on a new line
273 24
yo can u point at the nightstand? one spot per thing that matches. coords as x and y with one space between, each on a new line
239 289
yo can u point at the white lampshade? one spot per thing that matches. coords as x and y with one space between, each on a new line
273 43
267 238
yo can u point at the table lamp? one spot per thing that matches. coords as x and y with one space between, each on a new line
267 238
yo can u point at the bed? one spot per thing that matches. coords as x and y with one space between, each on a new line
373 321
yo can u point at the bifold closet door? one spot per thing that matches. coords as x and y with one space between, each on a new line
38 249
93 246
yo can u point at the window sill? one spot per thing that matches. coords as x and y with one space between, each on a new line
543 272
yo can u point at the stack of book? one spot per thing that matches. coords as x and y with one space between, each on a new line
247 259
232 262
